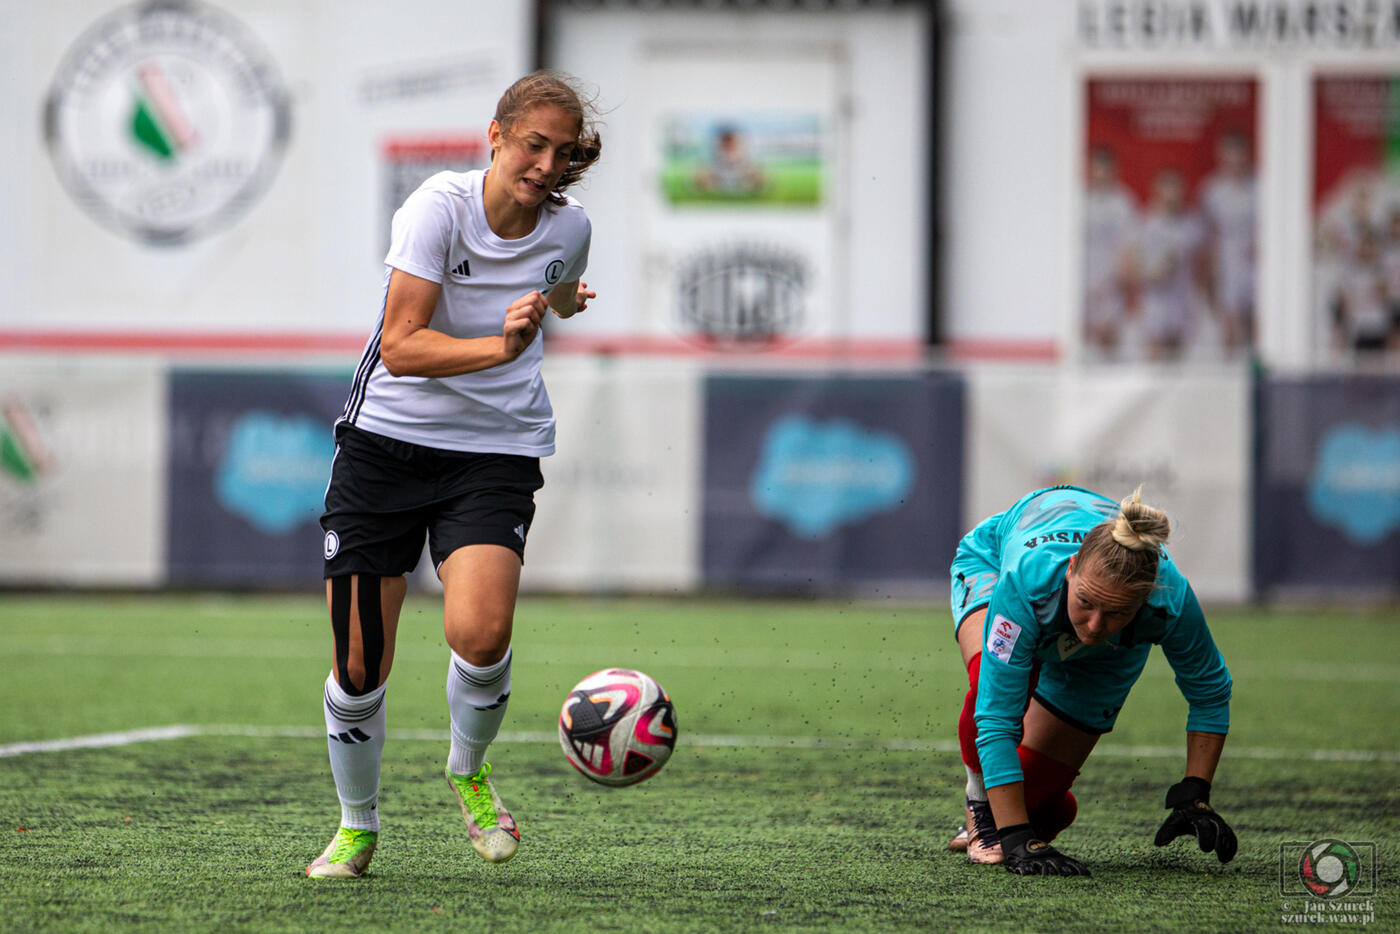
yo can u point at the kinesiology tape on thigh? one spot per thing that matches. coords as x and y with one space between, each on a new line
371 619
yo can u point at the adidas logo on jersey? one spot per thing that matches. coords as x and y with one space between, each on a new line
462 269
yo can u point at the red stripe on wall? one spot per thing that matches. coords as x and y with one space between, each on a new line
825 349
182 342
294 342
992 350
191 342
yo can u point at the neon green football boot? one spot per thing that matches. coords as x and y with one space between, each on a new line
491 828
347 857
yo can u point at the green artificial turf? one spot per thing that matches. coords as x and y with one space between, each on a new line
814 786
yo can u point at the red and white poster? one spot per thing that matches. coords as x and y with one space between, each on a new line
1170 218
1356 215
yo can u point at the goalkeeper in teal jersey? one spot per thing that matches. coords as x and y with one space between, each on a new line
1056 603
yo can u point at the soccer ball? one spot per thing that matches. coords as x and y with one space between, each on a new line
617 727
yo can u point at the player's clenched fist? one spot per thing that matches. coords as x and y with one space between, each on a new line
523 322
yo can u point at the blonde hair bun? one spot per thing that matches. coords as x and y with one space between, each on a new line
1140 527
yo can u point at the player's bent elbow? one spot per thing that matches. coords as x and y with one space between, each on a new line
1214 697
394 360
391 365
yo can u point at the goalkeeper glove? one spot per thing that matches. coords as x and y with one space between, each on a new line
1191 813
1026 855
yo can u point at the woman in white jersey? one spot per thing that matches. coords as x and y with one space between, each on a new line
441 437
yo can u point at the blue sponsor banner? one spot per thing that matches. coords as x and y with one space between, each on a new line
250 455
1327 485
841 482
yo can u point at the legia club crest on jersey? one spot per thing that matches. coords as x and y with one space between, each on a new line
166 120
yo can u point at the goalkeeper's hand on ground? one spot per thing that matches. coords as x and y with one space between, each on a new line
1191 813
1026 855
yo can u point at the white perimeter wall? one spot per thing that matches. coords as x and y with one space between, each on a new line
878 155
308 255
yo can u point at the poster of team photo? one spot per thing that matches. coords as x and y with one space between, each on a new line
1356 216
1170 225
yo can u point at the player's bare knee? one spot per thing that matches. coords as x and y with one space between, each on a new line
483 644
484 657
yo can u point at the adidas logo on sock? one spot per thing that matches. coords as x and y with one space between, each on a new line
462 269
499 701
356 735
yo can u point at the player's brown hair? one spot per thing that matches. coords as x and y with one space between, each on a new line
562 91
1124 551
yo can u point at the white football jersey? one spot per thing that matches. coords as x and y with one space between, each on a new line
1109 220
1230 212
440 233
1169 243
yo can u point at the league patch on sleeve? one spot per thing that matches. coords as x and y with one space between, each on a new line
1001 637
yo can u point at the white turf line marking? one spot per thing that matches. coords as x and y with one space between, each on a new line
288 650
100 740
731 741
700 657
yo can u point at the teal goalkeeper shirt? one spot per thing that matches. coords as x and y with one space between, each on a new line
1027 621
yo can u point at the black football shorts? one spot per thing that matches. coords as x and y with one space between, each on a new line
385 495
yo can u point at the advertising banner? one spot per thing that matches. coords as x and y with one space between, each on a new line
81 473
621 499
1183 436
1356 216
830 484
249 460
1170 218
1327 486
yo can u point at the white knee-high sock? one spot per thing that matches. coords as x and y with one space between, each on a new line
355 736
476 702
976 791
